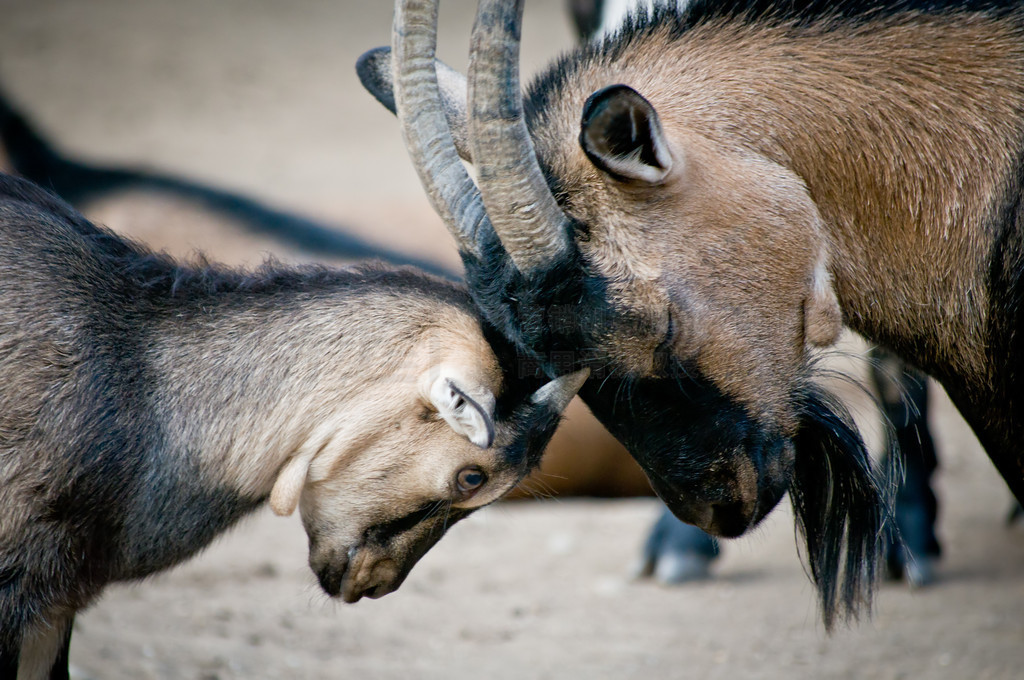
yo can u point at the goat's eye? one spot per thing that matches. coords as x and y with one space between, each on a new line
470 479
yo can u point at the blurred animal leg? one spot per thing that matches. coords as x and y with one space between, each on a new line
903 393
676 552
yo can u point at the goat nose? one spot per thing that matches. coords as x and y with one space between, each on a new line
330 579
330 567
684 506
725 515
729 519
722 518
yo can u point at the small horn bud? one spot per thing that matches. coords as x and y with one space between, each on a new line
559 392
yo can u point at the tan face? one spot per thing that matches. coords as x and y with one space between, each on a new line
370 517
381 481
705 286
720 264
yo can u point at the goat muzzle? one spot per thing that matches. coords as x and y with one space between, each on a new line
733 498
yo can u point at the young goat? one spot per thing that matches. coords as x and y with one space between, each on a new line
146 406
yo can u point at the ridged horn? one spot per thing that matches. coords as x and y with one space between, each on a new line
521 208
374 71
425 128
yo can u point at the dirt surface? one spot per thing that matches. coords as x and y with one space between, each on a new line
261 97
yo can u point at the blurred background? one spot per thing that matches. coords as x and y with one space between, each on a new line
259 98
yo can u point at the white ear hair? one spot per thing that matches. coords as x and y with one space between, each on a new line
621 134
469 409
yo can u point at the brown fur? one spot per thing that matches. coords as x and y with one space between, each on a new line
881 200
739 179
905 132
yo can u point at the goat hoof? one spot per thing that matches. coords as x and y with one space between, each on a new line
676 568
676 552
919 572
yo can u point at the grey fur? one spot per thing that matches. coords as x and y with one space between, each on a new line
147 405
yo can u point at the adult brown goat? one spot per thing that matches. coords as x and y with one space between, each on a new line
692 205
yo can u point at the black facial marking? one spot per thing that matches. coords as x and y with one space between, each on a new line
381 534
678 427
437 516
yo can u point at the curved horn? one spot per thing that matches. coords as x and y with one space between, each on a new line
425 128
374 71
522 210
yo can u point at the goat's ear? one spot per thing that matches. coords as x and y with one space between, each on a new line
374 71
621 134
284 497
823 319
469 409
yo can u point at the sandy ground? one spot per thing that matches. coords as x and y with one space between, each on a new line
260 97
